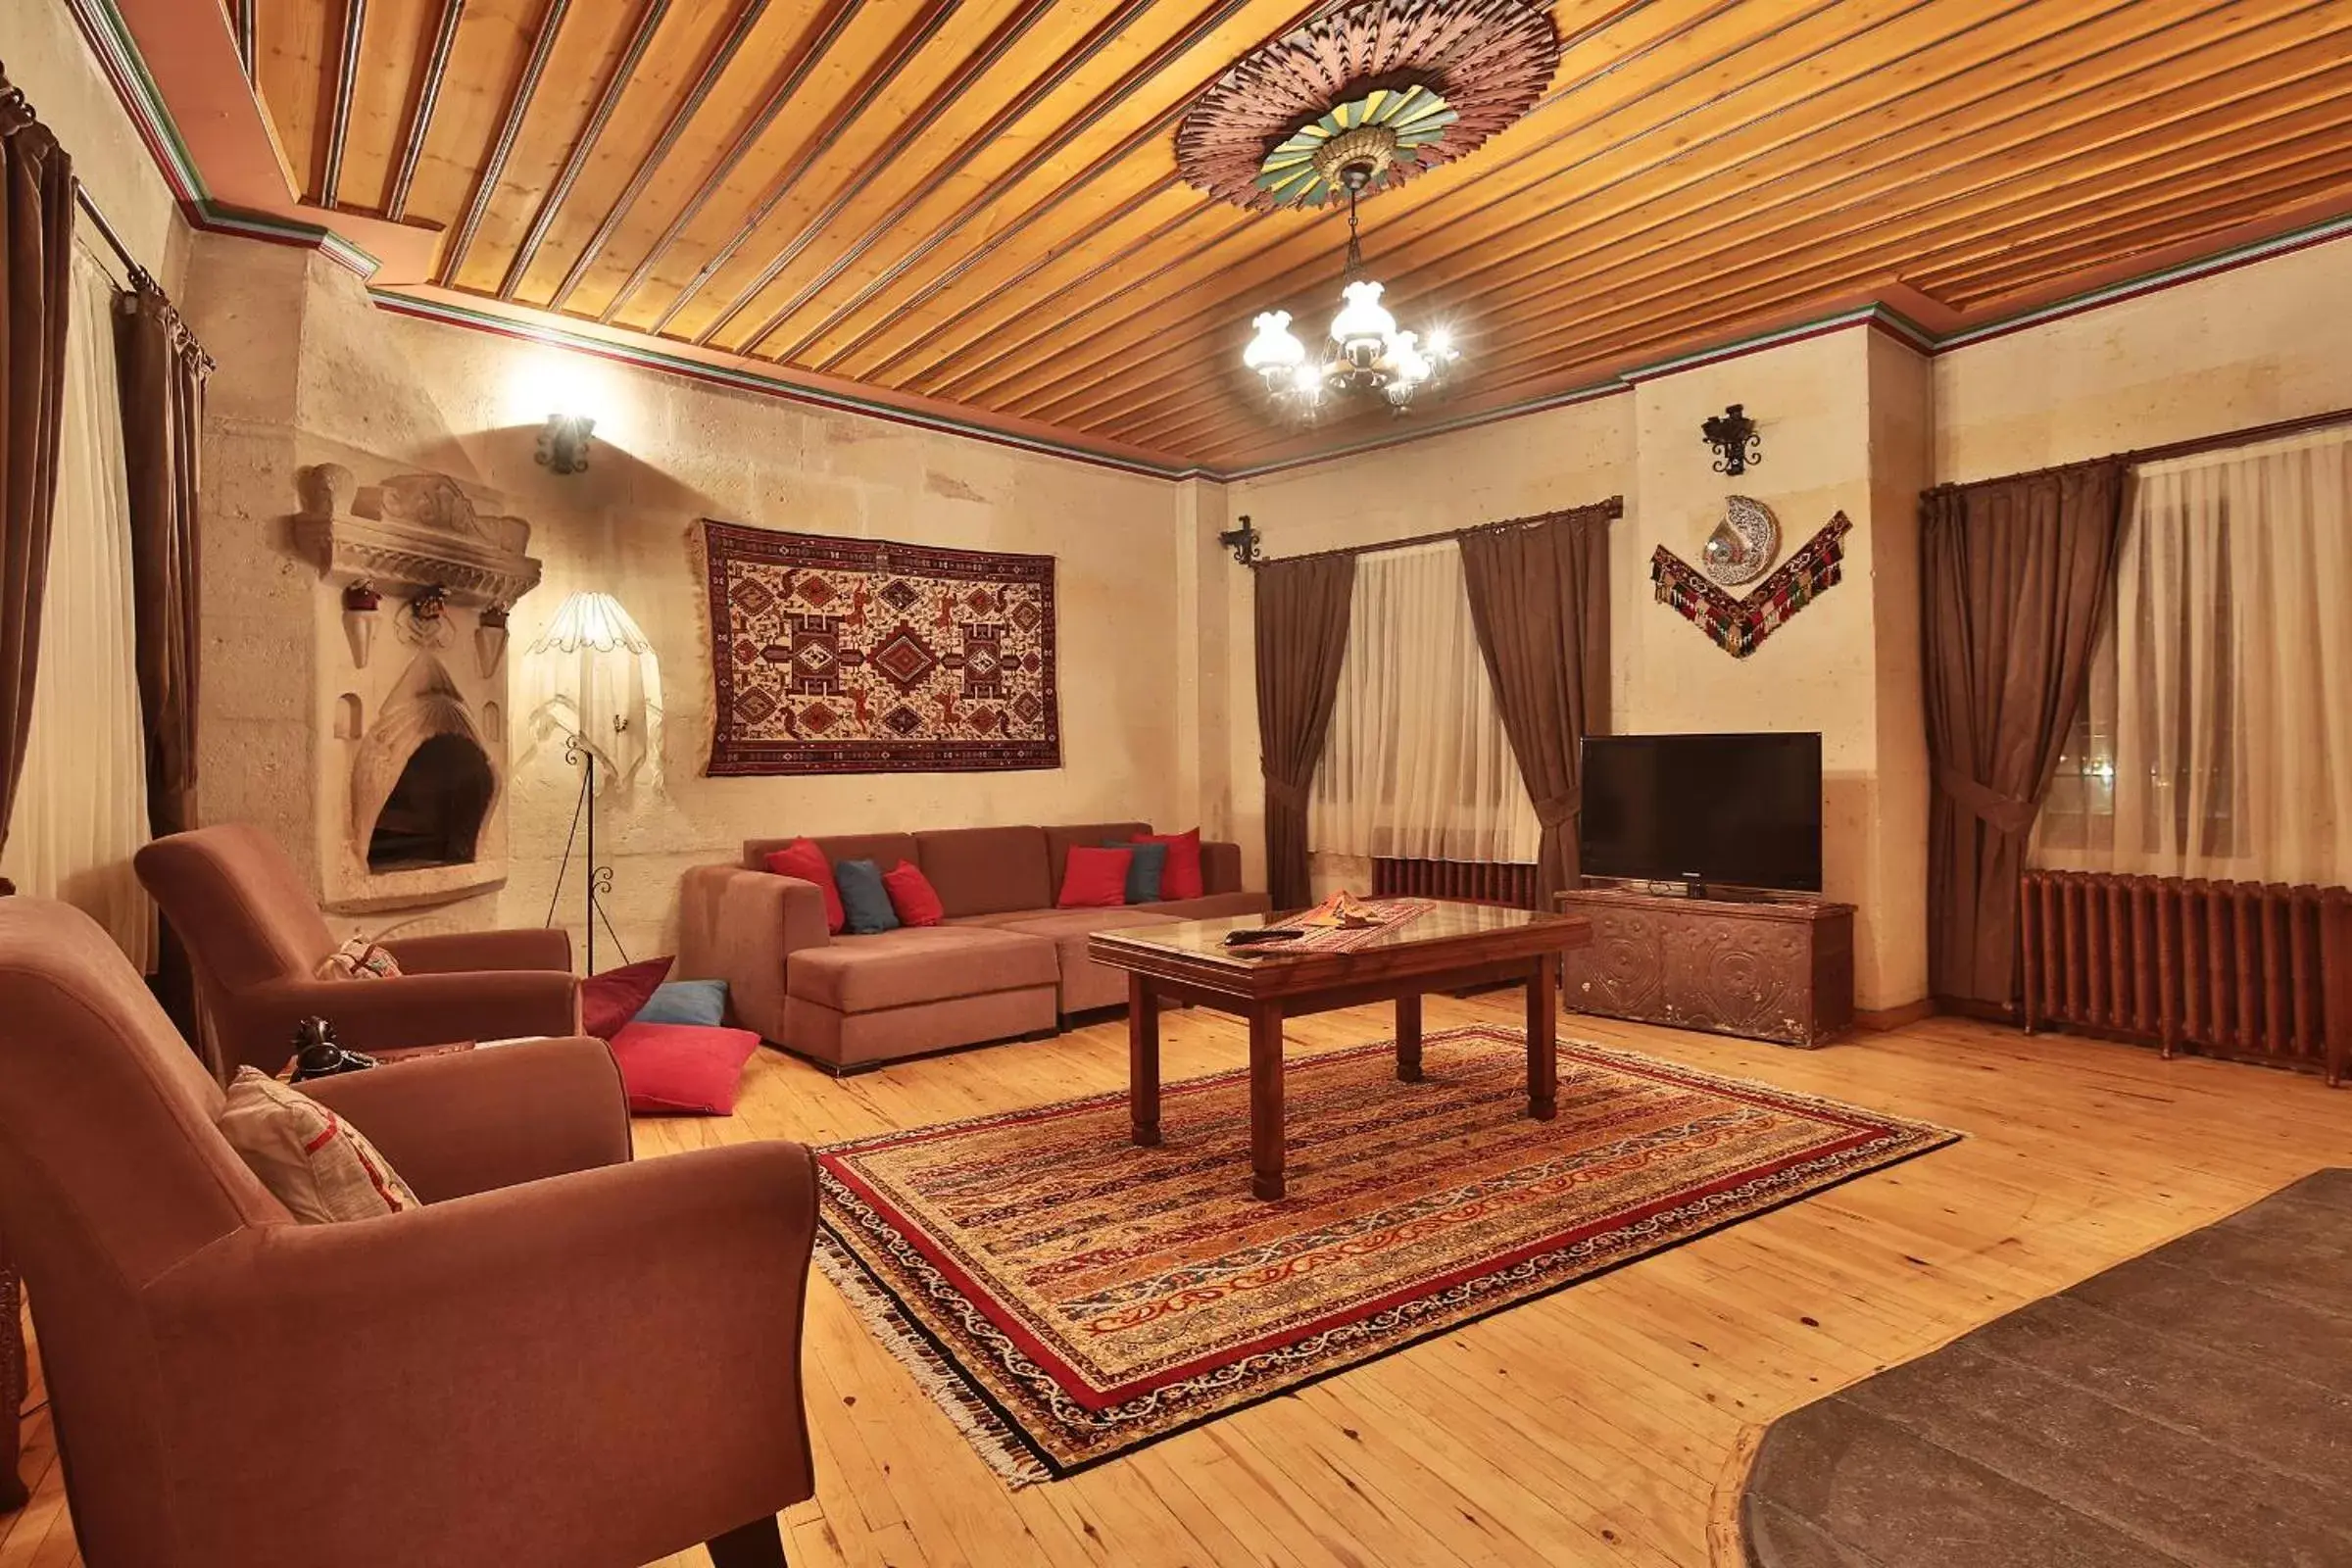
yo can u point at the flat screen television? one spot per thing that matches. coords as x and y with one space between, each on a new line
1738 810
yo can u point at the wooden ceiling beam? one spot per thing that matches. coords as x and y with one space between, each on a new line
908 134
1642 83
338 117
682 114
909 40
650 17
1779 182
2226 199
1101 108
961 269
1099 229
518 106
1815 277
420 112
1080 53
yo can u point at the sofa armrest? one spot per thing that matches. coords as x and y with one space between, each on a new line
478 1120
741 927
467 951
1220 867
445 1385
413 1010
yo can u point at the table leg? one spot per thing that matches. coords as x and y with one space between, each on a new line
1542 1040
1265 1100
1408 1039
1143 1061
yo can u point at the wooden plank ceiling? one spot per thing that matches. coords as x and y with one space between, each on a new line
977 201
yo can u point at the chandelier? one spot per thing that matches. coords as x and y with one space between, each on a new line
1365 351
1352 103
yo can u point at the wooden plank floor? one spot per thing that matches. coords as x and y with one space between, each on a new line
1591 1427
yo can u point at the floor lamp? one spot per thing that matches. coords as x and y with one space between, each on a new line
598 689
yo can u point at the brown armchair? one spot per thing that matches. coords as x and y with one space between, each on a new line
255 938
561 1360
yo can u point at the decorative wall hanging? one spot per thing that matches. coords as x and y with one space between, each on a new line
1741 625
1743 542
865 655
1733 435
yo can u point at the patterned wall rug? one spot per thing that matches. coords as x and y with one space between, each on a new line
1067 1297
868 656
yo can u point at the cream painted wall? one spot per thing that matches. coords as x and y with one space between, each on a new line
344 381
2267 341
1848 667
44 54
1563 456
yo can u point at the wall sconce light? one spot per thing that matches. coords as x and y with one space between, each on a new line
1733 435
564 444
1243 542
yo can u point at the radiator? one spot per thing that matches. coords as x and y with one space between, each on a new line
2237 969
1471 881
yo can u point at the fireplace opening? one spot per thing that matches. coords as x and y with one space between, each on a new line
435 811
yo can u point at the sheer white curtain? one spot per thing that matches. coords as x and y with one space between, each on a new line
1417 764
81 810
2217 738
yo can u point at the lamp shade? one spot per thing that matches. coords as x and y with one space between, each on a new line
593 674
1274 347
1362 318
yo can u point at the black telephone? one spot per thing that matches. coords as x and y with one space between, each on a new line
318 1055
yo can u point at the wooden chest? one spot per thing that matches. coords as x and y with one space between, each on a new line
1779 970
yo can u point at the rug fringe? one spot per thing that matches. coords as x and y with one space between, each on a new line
990 1436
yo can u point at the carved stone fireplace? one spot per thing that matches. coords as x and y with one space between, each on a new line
415 584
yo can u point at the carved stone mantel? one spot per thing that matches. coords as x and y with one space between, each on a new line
393 679
413 531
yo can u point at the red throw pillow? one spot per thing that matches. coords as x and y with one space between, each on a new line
912 895
610 999
686 1067
803 859
1095 879
1182 877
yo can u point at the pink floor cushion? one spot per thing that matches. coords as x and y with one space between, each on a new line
682 1067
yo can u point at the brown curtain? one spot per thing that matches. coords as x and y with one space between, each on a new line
1539 599
1301 639
164 369
2015 575
36 240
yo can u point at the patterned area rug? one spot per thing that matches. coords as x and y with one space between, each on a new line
1067 1297
866 656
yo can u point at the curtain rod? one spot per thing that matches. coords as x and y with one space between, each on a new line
114 240
2173 449
1611 509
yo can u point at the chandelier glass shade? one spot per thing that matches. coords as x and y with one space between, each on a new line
1365 352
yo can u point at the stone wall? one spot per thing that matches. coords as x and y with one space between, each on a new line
314 372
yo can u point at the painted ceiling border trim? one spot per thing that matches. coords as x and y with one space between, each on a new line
645 357
110 38
118 59
1879 316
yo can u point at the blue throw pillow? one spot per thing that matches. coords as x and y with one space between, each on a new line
863 898
1144 870
695 1001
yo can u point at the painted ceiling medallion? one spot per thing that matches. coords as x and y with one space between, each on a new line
1436 78
1384 125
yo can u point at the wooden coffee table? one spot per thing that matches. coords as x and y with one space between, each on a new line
1451 947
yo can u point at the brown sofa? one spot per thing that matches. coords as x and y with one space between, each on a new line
1003 963
255 937
563 1360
